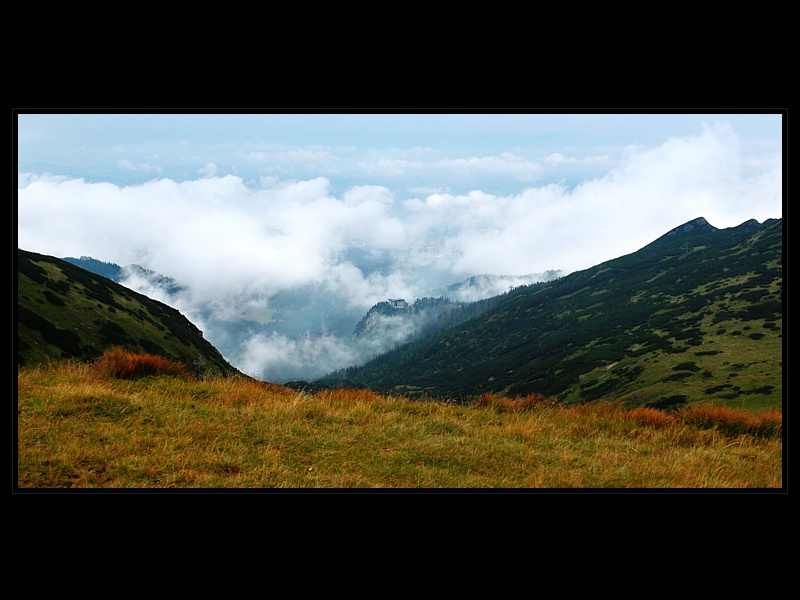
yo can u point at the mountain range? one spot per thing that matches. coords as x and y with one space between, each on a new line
697 315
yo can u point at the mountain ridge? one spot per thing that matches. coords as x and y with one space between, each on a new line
653 328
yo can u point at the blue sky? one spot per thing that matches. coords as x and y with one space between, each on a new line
239 207
404 151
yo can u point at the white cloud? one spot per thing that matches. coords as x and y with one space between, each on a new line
129 165
275 356
208 170
283 155
506 164
560 160
367 194
25 179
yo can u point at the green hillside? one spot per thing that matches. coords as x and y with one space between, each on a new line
697 315
64 311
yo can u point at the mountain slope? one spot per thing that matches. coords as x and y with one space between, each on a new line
64 311
695 315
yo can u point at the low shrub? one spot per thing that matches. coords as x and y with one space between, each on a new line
122 364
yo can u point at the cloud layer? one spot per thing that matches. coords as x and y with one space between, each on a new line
235 245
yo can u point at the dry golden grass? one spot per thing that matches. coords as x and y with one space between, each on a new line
78 429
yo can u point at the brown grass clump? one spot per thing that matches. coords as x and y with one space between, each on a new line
118 363
766 423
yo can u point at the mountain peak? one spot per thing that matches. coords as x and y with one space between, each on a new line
693 227
698 226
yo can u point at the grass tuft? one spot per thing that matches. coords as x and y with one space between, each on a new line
766 423
118 363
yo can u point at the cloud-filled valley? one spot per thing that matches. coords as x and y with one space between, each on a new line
277 264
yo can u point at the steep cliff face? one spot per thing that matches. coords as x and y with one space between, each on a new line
380 317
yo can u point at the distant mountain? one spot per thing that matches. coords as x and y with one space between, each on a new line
697 315
109 270
119 274
401 321
396 321
64 311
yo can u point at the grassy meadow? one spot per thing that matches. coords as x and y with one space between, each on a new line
140 421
